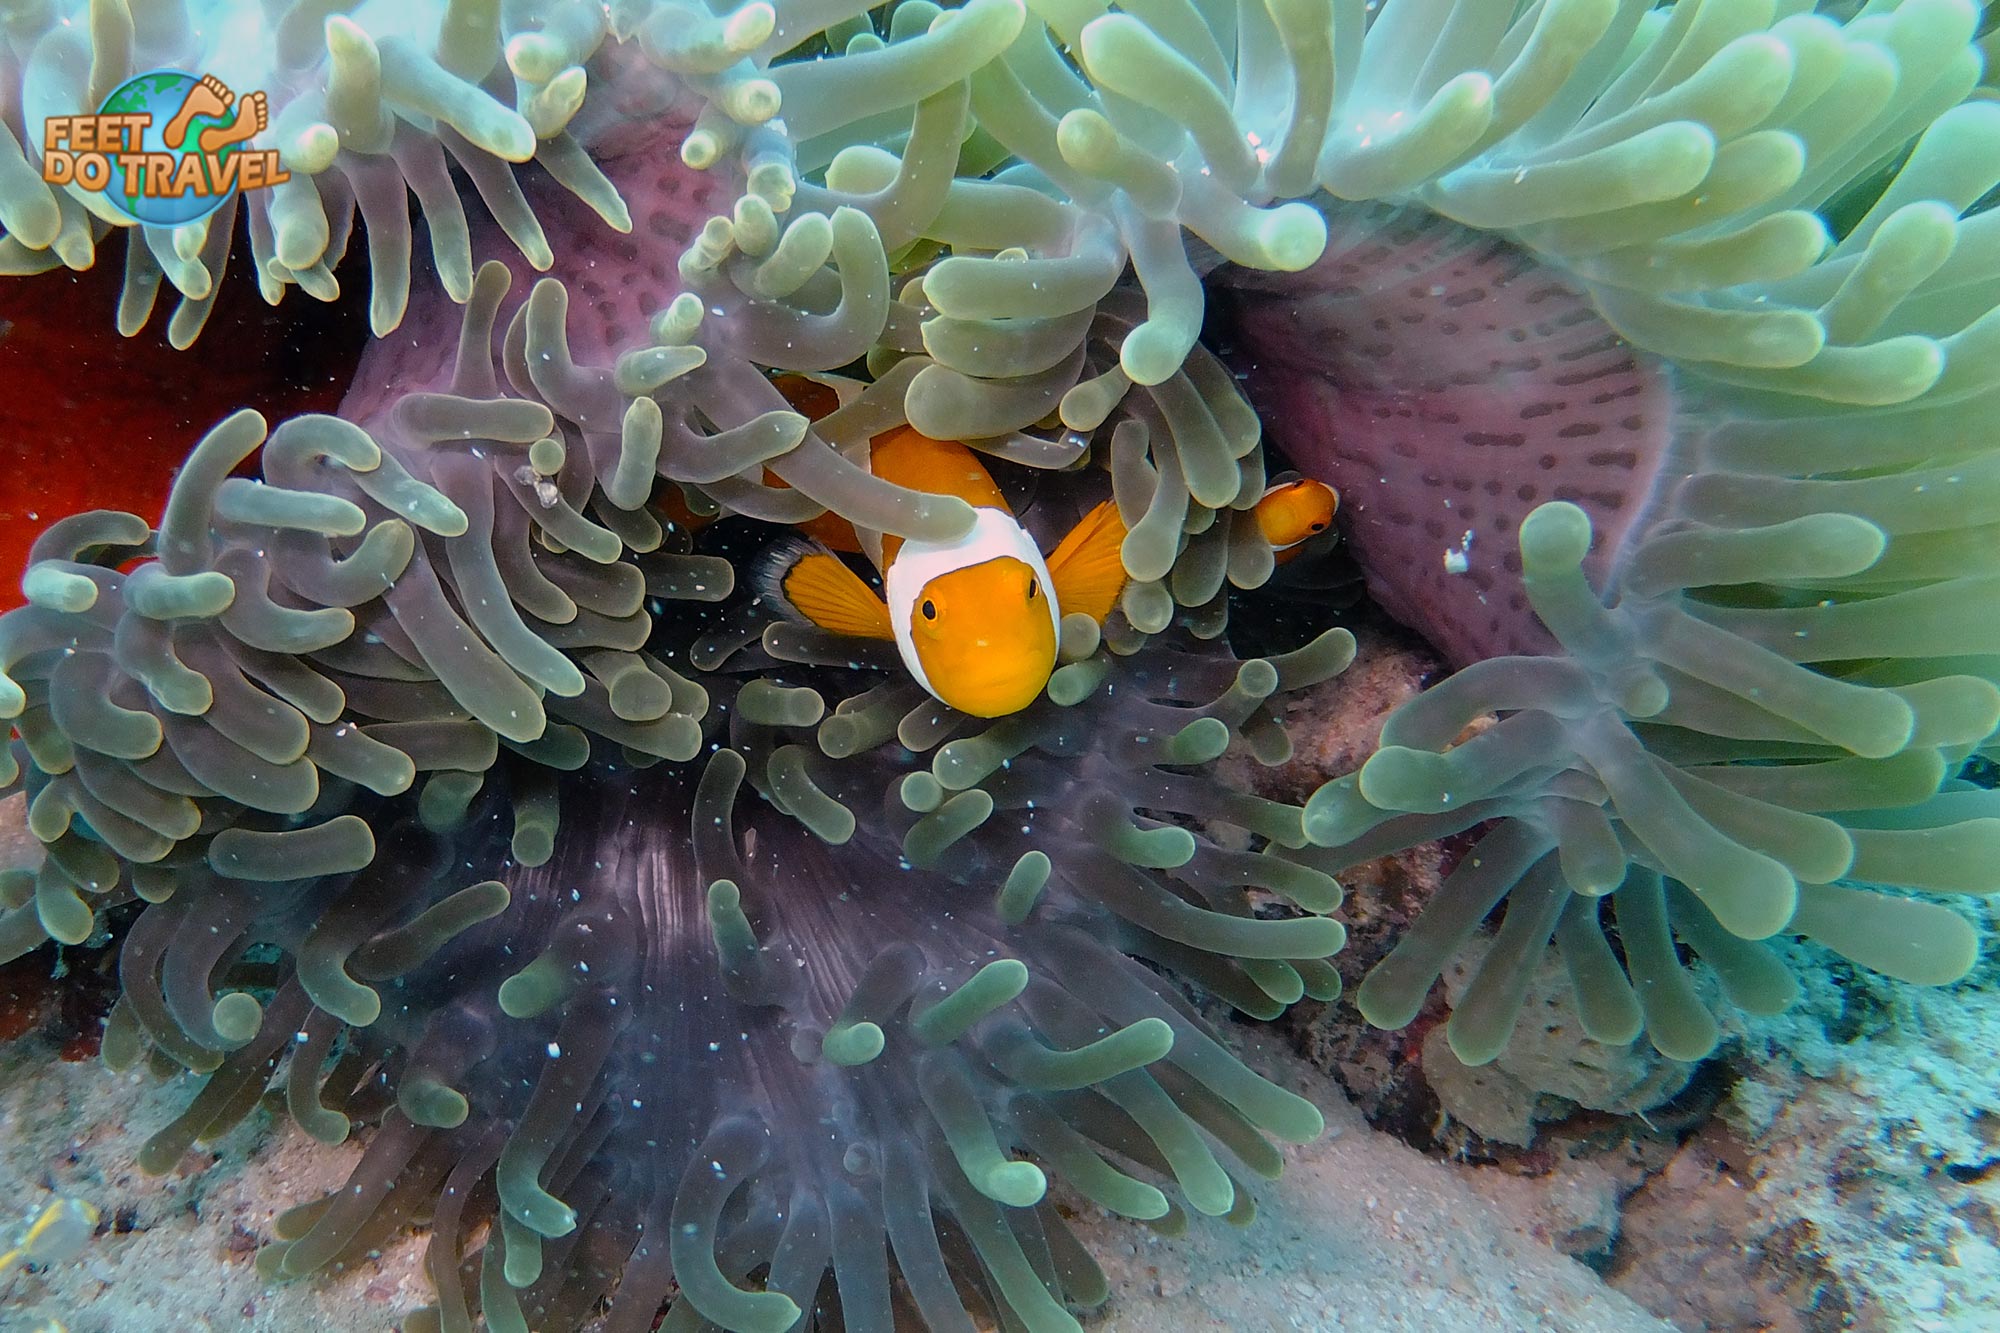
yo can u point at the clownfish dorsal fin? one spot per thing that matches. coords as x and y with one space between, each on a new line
1086 566
823 590
936 467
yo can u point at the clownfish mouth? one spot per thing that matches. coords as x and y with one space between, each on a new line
997 693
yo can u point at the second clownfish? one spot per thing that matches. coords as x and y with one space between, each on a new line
976 619
1292 513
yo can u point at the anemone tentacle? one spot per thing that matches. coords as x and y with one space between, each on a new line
1733 229
366 110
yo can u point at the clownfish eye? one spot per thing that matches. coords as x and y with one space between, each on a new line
929 608
1318 526
1034 588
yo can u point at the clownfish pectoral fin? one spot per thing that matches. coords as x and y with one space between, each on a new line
1086 567
824 591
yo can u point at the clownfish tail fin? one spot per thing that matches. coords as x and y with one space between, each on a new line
1087 566
805 580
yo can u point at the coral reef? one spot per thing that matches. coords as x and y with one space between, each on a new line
1549 1069
1861 1125
1648 346
1842 1180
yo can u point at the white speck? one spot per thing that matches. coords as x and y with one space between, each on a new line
1458 560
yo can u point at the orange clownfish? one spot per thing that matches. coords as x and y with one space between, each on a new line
1292 513
976 620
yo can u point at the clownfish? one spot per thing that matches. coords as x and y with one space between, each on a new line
976 620
1292 513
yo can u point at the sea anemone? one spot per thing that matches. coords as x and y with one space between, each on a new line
760 1049
1647 345
1683 479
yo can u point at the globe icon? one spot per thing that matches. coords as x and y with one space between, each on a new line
160 94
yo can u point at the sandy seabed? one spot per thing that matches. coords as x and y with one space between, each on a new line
1361 1233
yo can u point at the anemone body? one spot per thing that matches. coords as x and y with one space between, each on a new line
760 1052
1446 384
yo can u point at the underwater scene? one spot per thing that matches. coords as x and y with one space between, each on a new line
999 667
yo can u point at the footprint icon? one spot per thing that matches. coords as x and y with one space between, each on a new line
210 97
